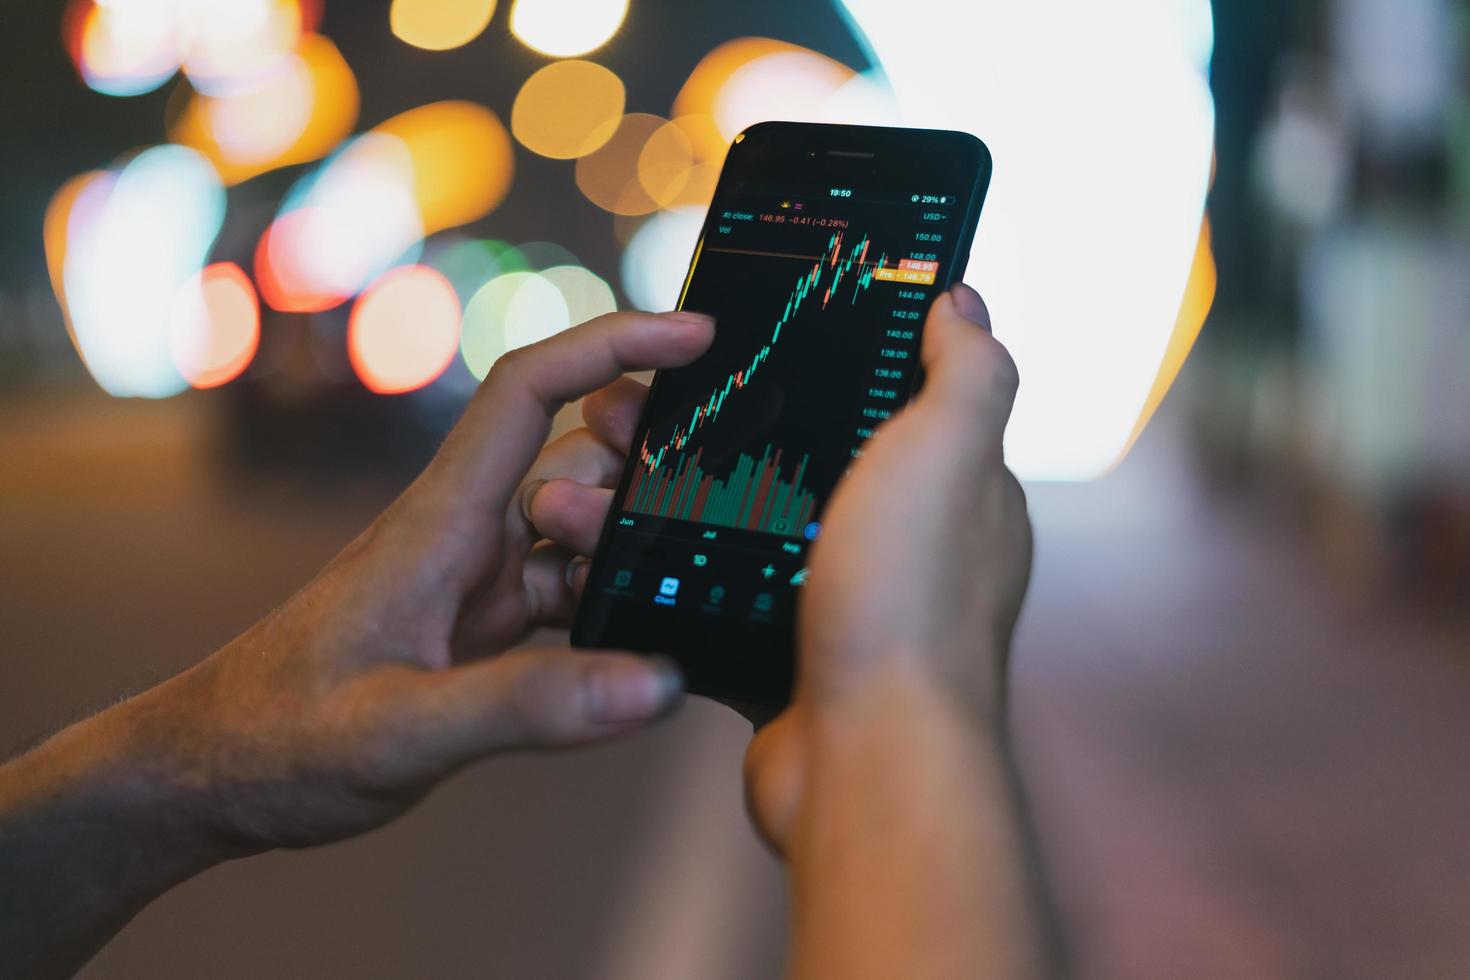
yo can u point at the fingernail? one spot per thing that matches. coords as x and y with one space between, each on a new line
573 567
666 681
968 304
689 316
626 695
669 680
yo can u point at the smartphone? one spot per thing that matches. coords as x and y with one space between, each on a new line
821 254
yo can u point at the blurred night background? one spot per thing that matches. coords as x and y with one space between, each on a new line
256 253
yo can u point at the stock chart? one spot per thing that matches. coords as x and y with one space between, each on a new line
816 344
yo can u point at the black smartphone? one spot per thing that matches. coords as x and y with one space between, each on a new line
822 252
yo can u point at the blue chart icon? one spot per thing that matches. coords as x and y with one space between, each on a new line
669 587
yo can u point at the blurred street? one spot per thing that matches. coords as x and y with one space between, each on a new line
1237 770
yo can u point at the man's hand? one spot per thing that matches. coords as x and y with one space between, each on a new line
885 784
348 703
377 679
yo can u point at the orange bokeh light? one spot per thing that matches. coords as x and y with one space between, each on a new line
215 330
439 25
404 330
1199 299
568 109
696 102
610 176
243 136
665 163
462 161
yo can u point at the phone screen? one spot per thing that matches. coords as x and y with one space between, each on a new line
823 249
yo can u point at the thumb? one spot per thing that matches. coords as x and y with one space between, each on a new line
544 699
966 368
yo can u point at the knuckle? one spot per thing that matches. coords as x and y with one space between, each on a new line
1001 366
513 363
509 367
1015 492
606 321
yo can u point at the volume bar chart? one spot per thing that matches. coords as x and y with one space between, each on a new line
753 496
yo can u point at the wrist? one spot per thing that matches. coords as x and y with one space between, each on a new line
894 715
168 770
91 831
904 688
149 788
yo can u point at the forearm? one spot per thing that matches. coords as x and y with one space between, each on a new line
91 831
907 852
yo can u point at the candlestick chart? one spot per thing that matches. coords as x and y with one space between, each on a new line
771 493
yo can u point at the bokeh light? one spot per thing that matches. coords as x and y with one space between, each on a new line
695 104
132 244
609 177
233 45
281 258
264 93
404 330
215 327
566 28
535 311
791 85
586 294
746 81
521 307
460 158
57 227
439 25
75 204
341 227
487 319
1199 298
370 205
665 163
264 123
568 109
300 113
128 47
657 257
1082 256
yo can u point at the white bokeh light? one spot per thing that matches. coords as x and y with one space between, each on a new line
657 257
360 218
1102 125
512 310
586 294
566 28
132 250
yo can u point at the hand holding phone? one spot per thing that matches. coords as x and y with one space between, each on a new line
824 248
